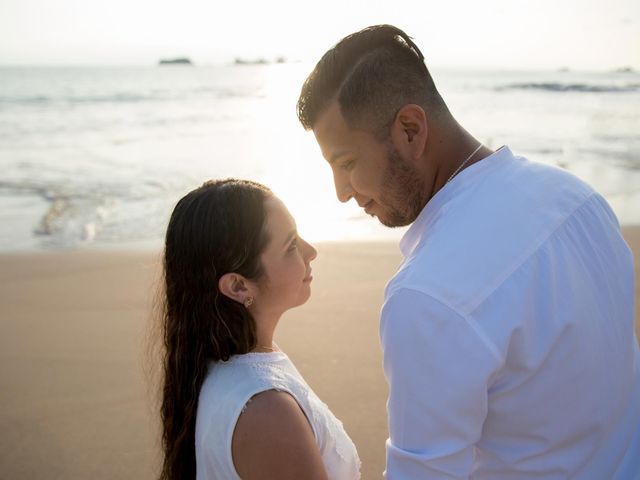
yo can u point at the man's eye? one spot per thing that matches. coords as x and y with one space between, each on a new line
293 245
348 165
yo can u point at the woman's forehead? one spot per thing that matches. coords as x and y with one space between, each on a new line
279 220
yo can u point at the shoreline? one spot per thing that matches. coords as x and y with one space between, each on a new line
156 245
77 399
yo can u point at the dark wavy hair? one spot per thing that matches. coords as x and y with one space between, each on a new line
372 74
215 229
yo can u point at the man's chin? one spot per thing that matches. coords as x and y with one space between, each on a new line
393 221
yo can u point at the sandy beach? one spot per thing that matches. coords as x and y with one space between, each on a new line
75 398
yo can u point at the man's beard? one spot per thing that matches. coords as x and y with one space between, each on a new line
401 196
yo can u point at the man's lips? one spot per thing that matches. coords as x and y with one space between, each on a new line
368 206
308 278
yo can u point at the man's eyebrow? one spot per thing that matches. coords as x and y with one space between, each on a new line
337 155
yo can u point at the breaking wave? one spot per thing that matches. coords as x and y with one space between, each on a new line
572 87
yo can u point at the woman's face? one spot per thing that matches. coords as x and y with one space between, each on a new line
286 282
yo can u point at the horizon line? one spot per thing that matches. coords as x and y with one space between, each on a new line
261 62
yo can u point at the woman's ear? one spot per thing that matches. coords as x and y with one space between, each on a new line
409 131
234 286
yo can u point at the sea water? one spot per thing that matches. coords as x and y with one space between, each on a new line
98 156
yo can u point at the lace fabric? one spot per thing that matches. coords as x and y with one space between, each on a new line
275 371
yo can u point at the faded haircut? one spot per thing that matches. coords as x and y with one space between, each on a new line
372 74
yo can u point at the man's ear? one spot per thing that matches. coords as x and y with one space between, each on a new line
409 131
234 286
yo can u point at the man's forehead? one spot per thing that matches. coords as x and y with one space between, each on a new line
330 121
333 134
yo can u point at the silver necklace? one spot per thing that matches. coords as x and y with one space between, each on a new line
463 163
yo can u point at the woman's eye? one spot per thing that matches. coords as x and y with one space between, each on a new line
293 245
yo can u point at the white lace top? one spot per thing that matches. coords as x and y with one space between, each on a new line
227 389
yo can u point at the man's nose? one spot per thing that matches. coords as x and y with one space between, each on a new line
344 192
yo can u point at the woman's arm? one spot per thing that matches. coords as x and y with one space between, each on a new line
274 440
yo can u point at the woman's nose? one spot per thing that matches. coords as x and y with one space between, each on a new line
310 252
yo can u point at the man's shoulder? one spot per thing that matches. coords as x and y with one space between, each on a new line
487 228
518 175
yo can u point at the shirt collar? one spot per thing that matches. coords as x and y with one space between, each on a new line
413 236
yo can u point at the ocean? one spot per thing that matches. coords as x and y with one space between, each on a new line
96 157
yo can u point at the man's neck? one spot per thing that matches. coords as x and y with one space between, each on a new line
451 150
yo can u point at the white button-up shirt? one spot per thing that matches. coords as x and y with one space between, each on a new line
508 332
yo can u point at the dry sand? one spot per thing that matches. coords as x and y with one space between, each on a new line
74 400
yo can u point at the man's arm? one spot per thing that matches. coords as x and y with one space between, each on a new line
438 367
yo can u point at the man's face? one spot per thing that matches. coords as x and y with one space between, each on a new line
372 172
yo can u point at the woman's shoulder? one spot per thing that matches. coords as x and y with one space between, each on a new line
267 393
226 391
250 366
244 375
273 435
274 412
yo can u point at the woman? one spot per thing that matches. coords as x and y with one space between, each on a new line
233 404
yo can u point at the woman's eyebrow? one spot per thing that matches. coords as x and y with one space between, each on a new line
290 237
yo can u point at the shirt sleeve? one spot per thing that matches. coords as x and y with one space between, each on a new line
438 367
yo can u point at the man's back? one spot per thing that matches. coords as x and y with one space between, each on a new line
508 332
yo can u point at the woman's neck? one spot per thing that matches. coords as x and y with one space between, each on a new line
265 328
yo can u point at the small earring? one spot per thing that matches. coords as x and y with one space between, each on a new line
248 302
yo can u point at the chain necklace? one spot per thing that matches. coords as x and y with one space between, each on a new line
271 348
463 163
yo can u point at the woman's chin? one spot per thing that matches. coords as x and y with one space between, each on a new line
305 295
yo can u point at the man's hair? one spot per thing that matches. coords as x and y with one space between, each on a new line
372 74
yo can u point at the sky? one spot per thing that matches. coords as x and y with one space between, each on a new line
511 34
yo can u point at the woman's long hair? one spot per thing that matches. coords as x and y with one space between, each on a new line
215 229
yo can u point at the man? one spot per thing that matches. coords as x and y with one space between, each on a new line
507 331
